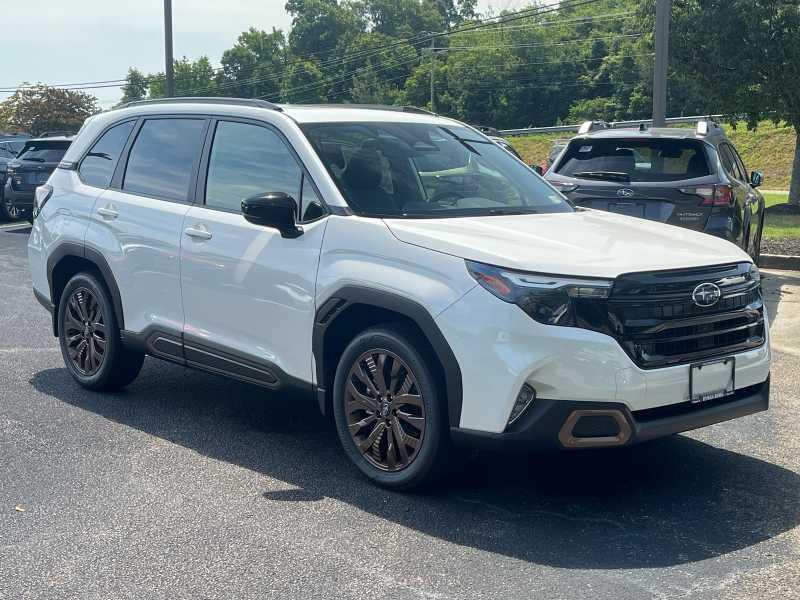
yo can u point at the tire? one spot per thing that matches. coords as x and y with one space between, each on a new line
8 212
425 443
756 254
89 336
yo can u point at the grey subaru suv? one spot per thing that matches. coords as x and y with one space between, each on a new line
691 178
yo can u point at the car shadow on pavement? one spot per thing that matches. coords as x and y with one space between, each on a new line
665 503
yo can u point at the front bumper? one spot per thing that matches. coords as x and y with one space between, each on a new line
555 424
499 349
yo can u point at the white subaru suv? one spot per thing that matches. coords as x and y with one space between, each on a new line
429 288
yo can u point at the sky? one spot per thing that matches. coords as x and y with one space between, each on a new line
56 42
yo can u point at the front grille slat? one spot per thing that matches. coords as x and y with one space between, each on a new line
655 320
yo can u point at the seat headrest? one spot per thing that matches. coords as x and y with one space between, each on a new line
364 170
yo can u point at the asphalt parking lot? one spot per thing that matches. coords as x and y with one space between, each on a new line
187 485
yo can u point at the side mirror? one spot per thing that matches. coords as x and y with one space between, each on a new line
756 178
538 169
273 209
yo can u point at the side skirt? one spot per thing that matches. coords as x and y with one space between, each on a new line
205 356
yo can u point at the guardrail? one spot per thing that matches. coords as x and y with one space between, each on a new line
613 125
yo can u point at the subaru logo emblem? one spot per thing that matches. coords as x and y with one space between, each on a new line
625 192
706 294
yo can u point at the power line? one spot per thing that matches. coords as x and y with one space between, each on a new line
417 39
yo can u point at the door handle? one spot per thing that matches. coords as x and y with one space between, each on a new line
108 212
198 232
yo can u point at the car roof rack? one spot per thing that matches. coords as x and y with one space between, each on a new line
256 102
588 126
485 129
391 107
707 125
57 133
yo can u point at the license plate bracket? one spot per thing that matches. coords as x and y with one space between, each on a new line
712 379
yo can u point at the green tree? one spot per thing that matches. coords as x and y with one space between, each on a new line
303 83
192 78
136 86
745 57
41 108
254 66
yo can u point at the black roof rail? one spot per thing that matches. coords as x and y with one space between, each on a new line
256 102
394 108
56 133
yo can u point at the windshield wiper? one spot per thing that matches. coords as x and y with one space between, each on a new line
33 159
461 141
603 175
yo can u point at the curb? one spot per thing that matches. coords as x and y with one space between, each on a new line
780 261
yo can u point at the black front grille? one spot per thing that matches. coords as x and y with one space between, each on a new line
656 321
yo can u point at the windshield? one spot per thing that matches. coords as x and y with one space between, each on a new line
44 151
634 160
427 170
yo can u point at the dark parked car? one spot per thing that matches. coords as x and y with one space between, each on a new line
30 169
9 148
692 178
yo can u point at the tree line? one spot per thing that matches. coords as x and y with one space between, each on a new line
546 64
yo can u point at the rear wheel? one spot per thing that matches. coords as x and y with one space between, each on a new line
389 413
9 211
89 336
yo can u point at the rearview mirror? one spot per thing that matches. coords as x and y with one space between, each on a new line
273 209
756 178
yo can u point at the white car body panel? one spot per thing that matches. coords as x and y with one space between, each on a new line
142 248
585 243
249 289
64 218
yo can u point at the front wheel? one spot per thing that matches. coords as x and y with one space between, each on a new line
756 252
89 336
388 408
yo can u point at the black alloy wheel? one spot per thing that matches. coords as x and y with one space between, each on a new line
389 407
10 210
90 338
85 331
385 410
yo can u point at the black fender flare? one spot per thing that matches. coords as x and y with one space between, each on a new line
66 249
353 295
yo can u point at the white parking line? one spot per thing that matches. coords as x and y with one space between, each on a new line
13 226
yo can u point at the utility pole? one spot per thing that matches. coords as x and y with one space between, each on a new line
662 60
169 72
433 67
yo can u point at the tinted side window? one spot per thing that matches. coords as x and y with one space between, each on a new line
98 166
161 159
247 160
729 162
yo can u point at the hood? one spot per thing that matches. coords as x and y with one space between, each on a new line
585 243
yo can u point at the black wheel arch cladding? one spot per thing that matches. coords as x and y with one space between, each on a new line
80 257
378 302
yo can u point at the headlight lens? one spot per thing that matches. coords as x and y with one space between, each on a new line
546 298
755 274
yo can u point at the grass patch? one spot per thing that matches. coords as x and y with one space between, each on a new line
779 226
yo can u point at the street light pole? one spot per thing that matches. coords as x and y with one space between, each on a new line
433 66
169 72
662 60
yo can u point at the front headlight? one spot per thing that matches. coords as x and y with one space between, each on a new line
548 299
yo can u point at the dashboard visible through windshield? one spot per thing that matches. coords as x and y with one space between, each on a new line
427 170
